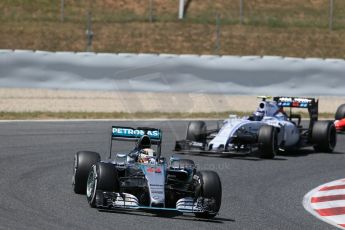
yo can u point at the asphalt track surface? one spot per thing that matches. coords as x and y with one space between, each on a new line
36 160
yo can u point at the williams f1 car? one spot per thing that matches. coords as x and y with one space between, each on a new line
141 179
270 129
340 119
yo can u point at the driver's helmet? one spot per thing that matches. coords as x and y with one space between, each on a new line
144 142
260 112
146 155
258 115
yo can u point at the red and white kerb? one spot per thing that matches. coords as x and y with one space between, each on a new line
327 202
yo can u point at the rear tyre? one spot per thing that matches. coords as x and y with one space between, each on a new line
102 177
83 161
211 188
340 113
268 141
196 131
324 136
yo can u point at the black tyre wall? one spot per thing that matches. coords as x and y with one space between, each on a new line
211 188
83 161
340 113
196 131
324 136
107 180
267 139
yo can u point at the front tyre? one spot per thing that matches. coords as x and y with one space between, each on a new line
268 141
83 161
196 131
102 177
324 136
211 188
340 113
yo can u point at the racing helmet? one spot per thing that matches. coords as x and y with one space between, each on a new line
146 155
260 112
258 115
144 142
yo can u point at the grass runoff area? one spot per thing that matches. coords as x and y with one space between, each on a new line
129 116
297 28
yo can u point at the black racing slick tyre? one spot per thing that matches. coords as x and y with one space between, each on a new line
196 131
102 177
340 113
83 161
324 136
268 141
211 188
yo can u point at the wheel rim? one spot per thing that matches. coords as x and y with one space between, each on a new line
91 184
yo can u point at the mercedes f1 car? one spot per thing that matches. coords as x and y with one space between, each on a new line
141 179
340 119
270 129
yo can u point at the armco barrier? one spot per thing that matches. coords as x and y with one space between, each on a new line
249 75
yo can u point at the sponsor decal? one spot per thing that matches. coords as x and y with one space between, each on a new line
155 197
303 100
156 192
290 99
125 132
197 144
294 102
285 99
150 170
156 185
284 104
155 170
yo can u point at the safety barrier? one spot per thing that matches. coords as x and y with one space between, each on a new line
247 75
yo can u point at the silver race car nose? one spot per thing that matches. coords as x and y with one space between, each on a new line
157 204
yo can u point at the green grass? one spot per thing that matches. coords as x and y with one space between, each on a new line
267 13
297 28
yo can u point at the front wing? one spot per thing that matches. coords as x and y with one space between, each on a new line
113 200
192 147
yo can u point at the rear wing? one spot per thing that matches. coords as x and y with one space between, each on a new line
121 133
296 102
311 104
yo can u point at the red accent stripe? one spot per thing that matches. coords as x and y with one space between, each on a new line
331 211
342 225
327 198
334 187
